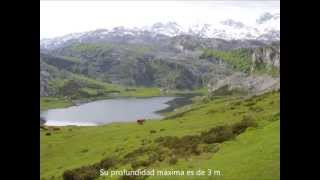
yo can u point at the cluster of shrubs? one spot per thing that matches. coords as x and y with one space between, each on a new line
137 152
240 127
152 131
151 154
130 89
189 144
275 117
91 171
145 141
212 111
133 177
256 109
84 150
217 135
74 89
70 87
182 147
168 148
250 103
173 160
85 172
49 129
237 103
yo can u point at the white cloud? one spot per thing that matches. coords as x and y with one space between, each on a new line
62 17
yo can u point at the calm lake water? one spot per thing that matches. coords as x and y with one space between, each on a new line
107 111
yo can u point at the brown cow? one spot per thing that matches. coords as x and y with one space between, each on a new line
141 121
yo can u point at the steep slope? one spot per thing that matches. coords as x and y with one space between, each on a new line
259 69
267 57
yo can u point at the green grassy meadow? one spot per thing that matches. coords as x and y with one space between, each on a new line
52 103
251 155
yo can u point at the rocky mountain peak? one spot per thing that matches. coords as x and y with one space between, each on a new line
233 23
267 17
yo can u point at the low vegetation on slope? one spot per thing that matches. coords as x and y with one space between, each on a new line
239 59
238 136
52 103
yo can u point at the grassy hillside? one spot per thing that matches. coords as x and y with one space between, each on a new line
52 103
250 154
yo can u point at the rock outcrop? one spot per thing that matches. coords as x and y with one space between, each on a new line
245 83
268 56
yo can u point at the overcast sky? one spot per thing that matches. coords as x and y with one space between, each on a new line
58 18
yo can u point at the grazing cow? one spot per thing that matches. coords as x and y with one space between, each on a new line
141 121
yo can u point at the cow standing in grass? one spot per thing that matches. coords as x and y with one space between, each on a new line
141 121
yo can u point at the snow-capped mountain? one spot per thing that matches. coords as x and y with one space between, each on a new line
169 29
267 17
265 28
233 23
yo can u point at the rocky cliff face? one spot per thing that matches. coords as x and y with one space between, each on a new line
244 83
268 56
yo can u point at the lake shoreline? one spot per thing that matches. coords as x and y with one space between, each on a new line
178 102
173 104
104 111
